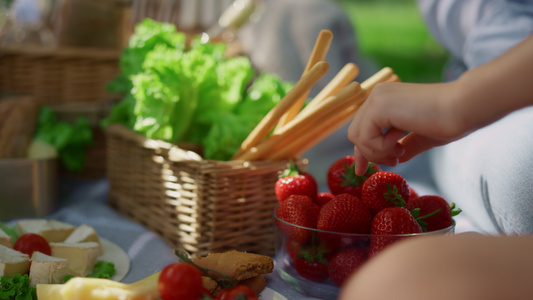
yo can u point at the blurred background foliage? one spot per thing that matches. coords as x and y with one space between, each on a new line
393 33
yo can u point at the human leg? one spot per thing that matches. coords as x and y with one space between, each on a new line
489 174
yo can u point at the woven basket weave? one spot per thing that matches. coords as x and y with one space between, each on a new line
198 205
58 75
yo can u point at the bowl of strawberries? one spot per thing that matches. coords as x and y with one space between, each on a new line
324 238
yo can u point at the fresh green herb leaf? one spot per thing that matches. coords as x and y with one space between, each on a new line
70 140
17 288
103 269
68 277
10 230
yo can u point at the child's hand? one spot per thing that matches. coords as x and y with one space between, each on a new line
401 120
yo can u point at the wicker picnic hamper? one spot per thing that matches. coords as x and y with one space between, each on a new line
198 205
58 75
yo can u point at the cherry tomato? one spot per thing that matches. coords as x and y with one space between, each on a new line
30 242
239 292
180 281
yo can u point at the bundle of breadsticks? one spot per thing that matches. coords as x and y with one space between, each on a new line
290 129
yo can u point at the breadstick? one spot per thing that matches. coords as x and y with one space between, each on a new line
345 76
327 127
269 121
323 129
381 76
309 117
303 122
320 50
394 78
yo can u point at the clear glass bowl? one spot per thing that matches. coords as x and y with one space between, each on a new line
319 281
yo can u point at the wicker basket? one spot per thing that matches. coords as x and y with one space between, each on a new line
58 75
198 205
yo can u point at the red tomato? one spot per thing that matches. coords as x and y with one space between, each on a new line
236 293
30 242
180 281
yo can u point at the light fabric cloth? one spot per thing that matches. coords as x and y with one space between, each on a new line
86 202
488 173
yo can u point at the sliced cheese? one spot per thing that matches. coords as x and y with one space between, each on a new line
5 239
51 230
13 262
81 256
83 288
47 269
84 233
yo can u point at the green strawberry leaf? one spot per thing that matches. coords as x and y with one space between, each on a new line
392 196
455 211
315 251
416 213
351 179
291 170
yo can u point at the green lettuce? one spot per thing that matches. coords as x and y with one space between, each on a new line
191 94
17 288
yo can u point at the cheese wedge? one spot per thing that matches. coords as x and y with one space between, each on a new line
84 233
13 262
47 269
83 288
81 256
51 230
5 239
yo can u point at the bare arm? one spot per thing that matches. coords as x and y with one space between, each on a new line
439 113
460 267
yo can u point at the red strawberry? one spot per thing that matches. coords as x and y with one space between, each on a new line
385 189
323 198
295 182
298 210
412 194
341 177
292 248
311 262
345 213
311 268
345 263
434 210
391 221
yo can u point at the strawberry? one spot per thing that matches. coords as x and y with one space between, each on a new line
434 210
385 189
341 176
412 194
345 213
298 210
310 260
292 248
311 268
391 221
323 198
345 263
295 182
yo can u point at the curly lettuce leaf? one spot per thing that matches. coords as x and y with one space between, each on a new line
168 92
147 35
194 95
17 288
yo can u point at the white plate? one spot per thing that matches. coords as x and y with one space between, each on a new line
270 294
113 253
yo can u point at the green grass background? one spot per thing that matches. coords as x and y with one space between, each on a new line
393 34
